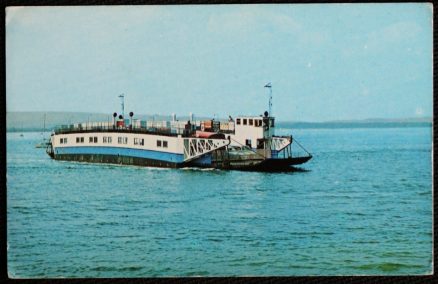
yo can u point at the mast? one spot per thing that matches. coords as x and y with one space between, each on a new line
270 97
122 101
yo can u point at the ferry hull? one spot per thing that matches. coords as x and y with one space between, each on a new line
116 159
268 165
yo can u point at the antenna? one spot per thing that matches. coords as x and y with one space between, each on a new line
44 129
270 97
122 101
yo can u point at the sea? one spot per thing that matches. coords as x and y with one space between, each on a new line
361 206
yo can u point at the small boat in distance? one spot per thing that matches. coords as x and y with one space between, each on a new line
243 143
21 134
43 144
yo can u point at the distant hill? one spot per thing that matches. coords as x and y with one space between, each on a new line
34 121
365 123
386 120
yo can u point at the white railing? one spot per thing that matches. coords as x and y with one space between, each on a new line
196 147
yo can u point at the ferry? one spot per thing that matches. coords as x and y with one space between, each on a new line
241 143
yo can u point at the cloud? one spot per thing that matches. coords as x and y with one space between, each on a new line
392 34
282 22
261 22
395 36
89 17
250 18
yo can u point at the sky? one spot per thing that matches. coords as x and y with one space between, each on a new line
325 61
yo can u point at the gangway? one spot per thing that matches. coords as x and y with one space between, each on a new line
197 147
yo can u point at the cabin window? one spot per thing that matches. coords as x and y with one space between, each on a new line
164 144
82 139
110 139
105 139
250 122
244 121
120 140
158 143
138 141
259 122
95 139
77 140
90 140
248 142
61 140
125 140
238 121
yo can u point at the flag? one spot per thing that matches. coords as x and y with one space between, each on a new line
268 85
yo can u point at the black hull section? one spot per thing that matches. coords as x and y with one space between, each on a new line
119 160
271 165
282 164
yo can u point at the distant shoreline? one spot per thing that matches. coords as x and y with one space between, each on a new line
35 121
335 125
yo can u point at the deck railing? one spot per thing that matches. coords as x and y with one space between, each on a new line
68 129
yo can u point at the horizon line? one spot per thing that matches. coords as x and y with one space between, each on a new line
349 120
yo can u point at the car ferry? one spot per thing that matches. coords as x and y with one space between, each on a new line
243 143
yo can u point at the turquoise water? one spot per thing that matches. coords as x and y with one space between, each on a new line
362 207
